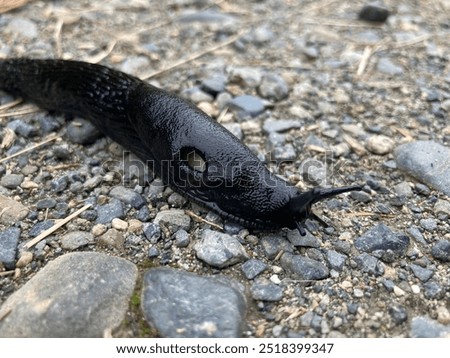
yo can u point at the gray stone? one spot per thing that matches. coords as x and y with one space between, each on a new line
285 153
403 189
107 212
214 85
381 237
181 304
398 313
273 87
152 232
246 76
182 238
11 181
441 250
112 238
196 95
429 224
433 291
380 144
175 217
59 184
415 233
12 211
9 239
281 125
442 207
22 128
251 105
386 66
370 264
128 196
82 131
76 239
135 64
425 327
421 273
76 295
274 244
62 152
176 200
308 240
219 250
266 291
153 252
427 161
304 268
336 260
46 203
22 27
253 268
40 227
361 196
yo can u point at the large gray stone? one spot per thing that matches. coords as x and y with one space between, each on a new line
77 295
9 239
427 161
181 304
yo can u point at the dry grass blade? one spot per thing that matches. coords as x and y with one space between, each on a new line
7 5
10 105
199 218
55 227
20 152
194 56
19 113
7 273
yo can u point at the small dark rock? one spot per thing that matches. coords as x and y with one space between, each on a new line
152 232
253 268
46 203
249 104
266 291
153 252
182 238
58 185
398 313
39 227
336 260
106 213
82 131
273 244
128 196
421 273
433 290
303 267
9 239
373 13
22 128
11 181
441 250
368 263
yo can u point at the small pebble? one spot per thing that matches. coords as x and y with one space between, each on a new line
441 250
266 291
11 181
182 238
380 144
119 224
373 13
25 258
253 268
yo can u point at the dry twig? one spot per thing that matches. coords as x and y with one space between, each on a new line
199 218
55 227
37 145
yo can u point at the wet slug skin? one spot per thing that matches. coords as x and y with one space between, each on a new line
190 151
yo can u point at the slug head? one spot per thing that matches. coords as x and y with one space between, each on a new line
300 205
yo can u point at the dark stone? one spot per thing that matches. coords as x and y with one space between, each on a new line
381 237
46 203
421 273
249 104
106 213
368 263
441 250
266 291
9 239
128 196
398 313
39 227
303 267
181 304
373 13
82 131
253 268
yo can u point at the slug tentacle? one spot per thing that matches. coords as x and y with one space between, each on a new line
190 151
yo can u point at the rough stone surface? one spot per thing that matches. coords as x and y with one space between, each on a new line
106 213
12 211
303 267
425 327
9 239
441 250
181 304
92 299
427 161
219 250
174 217
82 131
249 104
128 196
266 291
75 239
381 237
253 268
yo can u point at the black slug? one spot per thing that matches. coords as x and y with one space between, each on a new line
186 148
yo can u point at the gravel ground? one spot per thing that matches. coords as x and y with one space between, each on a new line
323 97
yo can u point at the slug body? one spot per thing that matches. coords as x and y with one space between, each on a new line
191 152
